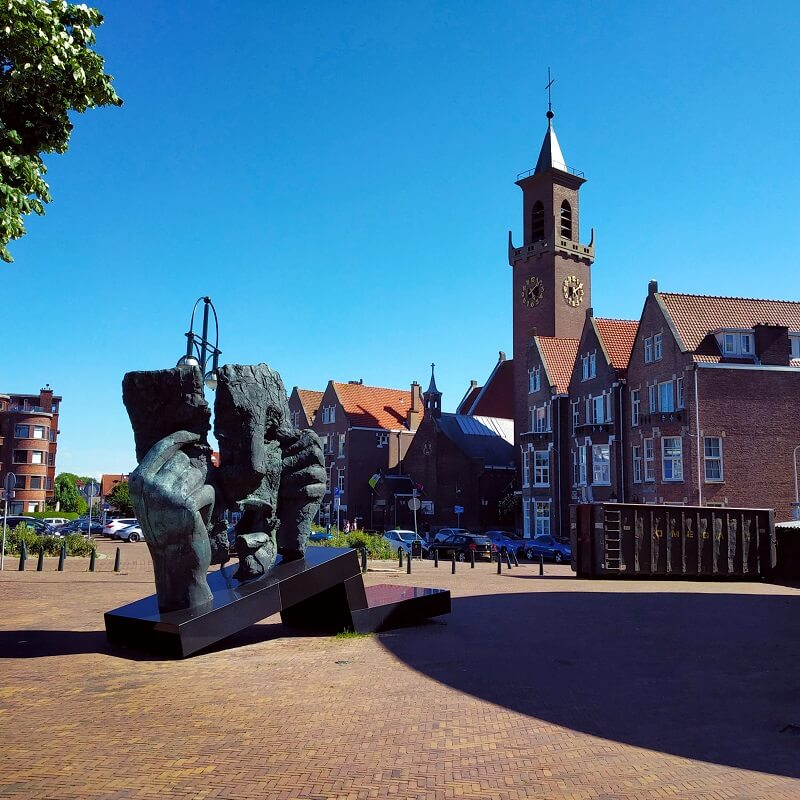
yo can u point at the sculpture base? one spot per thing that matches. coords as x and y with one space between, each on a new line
324 592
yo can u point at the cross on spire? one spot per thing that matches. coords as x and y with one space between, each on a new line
550 82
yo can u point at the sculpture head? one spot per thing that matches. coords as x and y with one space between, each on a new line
251 420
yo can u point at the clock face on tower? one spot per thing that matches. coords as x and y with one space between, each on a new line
532 291
572 289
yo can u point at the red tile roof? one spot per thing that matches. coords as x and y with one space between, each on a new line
617 336
694 316
559 356
374 407
310 400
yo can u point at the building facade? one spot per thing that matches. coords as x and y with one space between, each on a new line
28 445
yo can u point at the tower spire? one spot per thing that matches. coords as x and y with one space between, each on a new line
433 397
550 156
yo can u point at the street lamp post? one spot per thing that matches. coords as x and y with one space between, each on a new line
91 493
199 350
796 508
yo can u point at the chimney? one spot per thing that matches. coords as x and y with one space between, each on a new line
414 413
772 344
46 398
652 287
589 312
501 356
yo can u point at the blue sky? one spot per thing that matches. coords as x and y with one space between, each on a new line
339 178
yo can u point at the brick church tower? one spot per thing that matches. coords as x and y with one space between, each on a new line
552 270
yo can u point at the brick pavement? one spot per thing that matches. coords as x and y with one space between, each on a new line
546 688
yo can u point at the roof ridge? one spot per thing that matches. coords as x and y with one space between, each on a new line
616 319
729 297
559 338
368 386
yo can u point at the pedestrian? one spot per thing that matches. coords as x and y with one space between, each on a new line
347 526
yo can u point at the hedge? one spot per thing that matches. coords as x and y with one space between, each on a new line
377 546
77 545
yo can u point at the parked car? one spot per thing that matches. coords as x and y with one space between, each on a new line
320 536
505 542
401 540
446 533
462 545
38 525
82 526
549 547
130 533
112 526
56 522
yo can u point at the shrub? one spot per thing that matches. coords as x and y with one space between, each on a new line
76 544
377 547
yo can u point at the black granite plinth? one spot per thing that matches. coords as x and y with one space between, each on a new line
237 605
394 606
323 592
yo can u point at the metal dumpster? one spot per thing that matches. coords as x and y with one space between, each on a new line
787 540
617 540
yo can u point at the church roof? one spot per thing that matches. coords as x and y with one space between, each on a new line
694 316
469 398
496 397
373 406
558 355
485 439
617 336
550 156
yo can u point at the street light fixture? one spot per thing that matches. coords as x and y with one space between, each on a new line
199 349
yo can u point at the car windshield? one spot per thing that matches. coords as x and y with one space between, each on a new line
407 536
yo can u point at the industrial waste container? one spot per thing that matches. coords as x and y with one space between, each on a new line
628 540
416 549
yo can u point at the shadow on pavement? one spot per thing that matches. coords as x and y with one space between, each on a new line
712 676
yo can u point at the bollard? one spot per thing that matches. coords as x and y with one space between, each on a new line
516 560
62 557
399 558
541 565
472 559
499 563
23 557
92 558
454 563
508 559
117 560
408 564
40 562
363 559
436 557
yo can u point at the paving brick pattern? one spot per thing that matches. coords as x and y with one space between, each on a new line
480 705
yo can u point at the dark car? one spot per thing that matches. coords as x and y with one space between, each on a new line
462 545
40 527
506 542
82 526
549 547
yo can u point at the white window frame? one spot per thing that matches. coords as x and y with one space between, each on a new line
37 457
340 454
15 460
672 465
588 366
680 400
526 518
340 478
579 467
598 409
658 347
328 414
382 439
540 418
649 460
35 478
18 431
636 455
541 510
708 460
526 467
541 467
666 397
42 430
534 379
794 346
576 415
648 350
652 398
636 403
601 466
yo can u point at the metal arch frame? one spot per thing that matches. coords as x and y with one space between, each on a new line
200 346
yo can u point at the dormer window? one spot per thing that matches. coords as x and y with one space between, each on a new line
794 342
534 379
736 343
328 414
537 222
566 220
588 366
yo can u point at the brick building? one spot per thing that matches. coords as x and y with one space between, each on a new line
28 444
365 431
712 388
464 460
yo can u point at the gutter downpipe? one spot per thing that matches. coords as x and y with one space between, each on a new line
697 434
621 422
558 462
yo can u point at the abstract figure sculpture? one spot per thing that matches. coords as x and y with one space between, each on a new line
270 471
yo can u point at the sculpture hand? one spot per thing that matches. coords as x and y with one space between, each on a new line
173 504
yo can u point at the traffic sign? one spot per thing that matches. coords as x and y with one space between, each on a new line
337 492
459 509
414 504
90 489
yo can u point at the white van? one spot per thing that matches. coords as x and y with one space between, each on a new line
56 522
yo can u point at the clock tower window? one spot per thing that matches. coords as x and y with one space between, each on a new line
537 222
566 220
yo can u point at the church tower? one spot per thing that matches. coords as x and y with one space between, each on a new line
551 268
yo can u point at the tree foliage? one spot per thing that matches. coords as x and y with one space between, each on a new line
65 492
120 498
47 69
